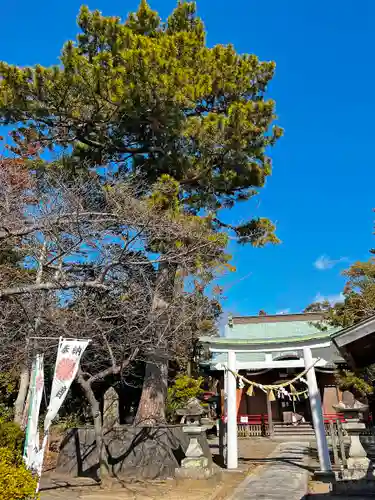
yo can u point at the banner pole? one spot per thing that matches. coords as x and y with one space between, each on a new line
32 396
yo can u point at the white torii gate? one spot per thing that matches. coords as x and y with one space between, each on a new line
230 389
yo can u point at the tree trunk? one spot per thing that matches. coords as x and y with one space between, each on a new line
151 409
98 427
21 396
25 377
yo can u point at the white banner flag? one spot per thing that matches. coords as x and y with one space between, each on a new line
35 399
67 363
39 457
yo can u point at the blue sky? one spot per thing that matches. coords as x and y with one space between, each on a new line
320 192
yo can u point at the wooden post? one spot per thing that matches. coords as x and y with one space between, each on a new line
332 431
340 437
269 413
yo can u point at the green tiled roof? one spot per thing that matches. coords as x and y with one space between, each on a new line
254 331
276 331
273 333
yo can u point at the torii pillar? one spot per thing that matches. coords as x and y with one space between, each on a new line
232 445
317 414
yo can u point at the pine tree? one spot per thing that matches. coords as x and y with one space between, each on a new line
151 98
154 99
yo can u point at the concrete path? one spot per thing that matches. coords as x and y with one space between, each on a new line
284 476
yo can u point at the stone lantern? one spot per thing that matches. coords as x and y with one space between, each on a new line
195 465
358 463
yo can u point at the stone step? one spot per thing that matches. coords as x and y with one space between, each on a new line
288 426
295 432
304 431
301 426
294 436
300 439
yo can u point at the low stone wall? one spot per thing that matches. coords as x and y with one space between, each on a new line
135 451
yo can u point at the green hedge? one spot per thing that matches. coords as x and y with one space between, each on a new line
16 482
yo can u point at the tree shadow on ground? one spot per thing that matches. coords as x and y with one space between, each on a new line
58 485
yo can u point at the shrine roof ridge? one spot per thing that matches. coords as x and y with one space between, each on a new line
275 318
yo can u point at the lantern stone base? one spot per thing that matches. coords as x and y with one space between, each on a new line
358 480
195 468
358 467
195 465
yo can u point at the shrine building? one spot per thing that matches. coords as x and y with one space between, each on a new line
269 349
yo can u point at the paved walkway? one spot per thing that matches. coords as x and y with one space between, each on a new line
284 476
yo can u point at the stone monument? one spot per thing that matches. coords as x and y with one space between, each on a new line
195 465
111 410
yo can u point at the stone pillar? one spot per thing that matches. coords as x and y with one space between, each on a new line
317 414
232 446
358 463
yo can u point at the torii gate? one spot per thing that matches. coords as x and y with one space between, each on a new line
230 389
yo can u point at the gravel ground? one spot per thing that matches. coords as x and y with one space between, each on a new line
252 455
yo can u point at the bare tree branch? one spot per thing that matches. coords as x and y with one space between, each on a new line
26 289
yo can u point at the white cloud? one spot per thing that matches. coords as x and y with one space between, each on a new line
325 262
283 311
332 299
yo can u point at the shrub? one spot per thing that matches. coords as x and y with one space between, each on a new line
183 389
11 436
360 383
16 482
6 413
8 393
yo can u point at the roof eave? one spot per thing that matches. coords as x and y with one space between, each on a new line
222 341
